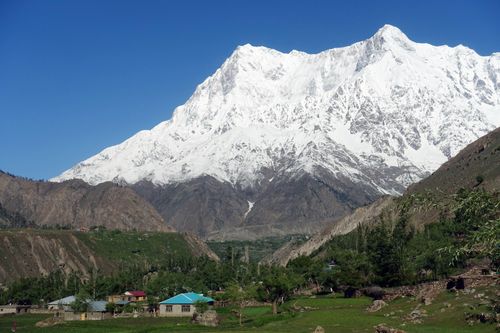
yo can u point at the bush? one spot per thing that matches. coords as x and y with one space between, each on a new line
350 292
374 292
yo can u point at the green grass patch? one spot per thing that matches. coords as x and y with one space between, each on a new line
334 314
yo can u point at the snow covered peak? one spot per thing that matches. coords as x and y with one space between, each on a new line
384 112
390 32
389 38
249 49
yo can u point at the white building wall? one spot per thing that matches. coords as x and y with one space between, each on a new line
176 311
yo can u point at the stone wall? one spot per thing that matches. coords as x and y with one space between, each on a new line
71 316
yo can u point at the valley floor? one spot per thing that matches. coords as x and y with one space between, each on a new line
334 314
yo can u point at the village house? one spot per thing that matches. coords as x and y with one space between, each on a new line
116 298
182 305
10 309
63 304
96 311
135 296
128 296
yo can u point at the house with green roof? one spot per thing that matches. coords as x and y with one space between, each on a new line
182 305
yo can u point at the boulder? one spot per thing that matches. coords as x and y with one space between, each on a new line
51 321
374 292
456 283
480 317
417 315
376 305
319 329
207 318
383 328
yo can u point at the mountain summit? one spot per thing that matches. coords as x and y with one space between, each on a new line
366 120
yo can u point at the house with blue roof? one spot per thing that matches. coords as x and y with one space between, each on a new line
96 310
63 304
182 305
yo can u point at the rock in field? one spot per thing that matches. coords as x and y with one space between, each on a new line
376 305
383 328
319 329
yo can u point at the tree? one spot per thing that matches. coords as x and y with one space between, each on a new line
200 306
477 225
308 268
278 285
131 307
484 242
111 307
240 295
352 269
400 237
387 251
472 209
229 255
81 303
379 249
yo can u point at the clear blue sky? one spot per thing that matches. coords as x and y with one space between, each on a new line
78 76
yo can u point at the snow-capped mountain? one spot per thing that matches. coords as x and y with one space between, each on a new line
382 103
379 114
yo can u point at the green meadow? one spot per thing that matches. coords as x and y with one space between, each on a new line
334 314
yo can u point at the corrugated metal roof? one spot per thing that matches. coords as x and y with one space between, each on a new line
64 301
136 293
187 298
97 306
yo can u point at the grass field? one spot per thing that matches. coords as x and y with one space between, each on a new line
334 314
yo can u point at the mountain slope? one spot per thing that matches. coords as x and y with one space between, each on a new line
478 164
13 220
39 252
76 204
480 158
219 211
35 253
361 216
371 118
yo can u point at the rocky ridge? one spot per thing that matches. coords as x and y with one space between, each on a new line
75 204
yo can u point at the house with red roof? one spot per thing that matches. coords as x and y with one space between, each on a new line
135 296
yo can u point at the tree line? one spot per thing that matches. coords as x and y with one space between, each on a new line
392 253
